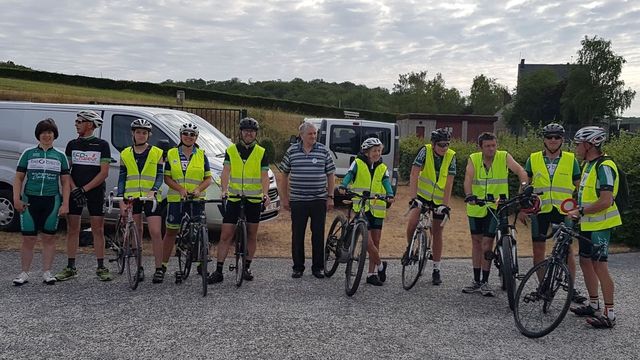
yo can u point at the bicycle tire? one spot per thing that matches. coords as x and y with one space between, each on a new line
203 257
357 252
508 277
133 251
241 248
117 245
426 242
414 260
556 277
498 256
184 249
333 245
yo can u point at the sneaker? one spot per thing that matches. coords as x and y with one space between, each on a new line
584 310
382 274
486 290
247 275
435 277
21 279
215 277
48 279
164 268
601 322
471 288
158 276
141 274
373 280
577 297
66 274
104 274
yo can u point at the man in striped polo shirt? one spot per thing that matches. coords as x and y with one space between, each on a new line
307 191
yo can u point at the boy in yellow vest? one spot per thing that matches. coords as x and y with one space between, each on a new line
245 172
431 181
369 173
141 175
486 174
598 216
556 174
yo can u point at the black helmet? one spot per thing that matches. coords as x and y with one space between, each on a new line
553 129
46 125
249 123
440 135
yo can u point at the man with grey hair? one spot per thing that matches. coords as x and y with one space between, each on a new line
307 191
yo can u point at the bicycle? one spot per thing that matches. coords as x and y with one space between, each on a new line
419 249
347 242
541 286
240 238
126 243
505 253
192 242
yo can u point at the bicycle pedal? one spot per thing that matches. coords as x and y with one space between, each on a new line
232 268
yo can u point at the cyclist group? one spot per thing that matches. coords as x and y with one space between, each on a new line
49 184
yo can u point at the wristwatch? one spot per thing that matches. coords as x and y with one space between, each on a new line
330 196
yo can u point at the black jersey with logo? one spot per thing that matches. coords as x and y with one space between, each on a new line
85 157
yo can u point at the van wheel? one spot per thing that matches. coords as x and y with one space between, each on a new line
9 218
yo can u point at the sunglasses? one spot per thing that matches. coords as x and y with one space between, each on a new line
554 137
442 145
189 133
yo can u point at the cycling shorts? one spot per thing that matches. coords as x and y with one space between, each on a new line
540 224
374 222
176 211
429 202
147 206
485 226
599 252
95 202
232 212
40 215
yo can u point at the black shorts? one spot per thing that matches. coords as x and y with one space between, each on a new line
485 226
374 222
232 212
540 224
95 203
147 206
40 215
429 202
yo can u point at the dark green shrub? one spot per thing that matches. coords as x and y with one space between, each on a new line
269 149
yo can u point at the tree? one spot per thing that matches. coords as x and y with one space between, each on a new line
414 93
595 90
537 100
487 96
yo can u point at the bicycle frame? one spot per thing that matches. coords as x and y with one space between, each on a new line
240 237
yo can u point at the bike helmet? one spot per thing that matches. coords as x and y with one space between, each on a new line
553 129
440 135
249 123
369 143
46 125
92 116
189 127
592 135
141 124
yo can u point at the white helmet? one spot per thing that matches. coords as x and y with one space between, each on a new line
92 116
189 127
369 143
141 124
592 135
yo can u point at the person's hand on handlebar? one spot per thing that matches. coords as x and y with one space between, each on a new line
443 210
415 203
390 200
471 199
151 194
183 193
266 201
342 190
195 193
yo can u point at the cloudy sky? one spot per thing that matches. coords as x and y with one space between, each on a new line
366 42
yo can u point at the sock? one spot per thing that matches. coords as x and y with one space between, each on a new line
476 274
248 262
219 267
371 274
436 265
71 263
100 263
594 303
165 264
485 275
380 266
608 311
159 269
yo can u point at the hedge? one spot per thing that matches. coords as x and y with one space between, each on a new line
625 150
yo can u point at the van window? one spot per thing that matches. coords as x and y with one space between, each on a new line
347 138
121 133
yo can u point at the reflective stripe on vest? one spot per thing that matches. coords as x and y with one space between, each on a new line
245 174
189 179
364 182
555 191
495 181
139 184
607 218
428 187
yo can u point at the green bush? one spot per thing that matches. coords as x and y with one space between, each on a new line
409 147
269 149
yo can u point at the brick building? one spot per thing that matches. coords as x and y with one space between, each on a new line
464 127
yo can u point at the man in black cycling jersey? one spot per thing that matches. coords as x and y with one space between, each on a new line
89 159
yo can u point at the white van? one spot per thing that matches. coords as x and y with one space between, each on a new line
17 125
344 136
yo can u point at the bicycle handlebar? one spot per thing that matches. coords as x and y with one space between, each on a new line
131 198
428 206
558 228
366 195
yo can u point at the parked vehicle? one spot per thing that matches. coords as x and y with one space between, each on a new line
18 121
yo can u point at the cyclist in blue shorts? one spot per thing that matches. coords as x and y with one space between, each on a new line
43 171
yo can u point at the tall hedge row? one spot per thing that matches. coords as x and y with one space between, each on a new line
193 94
625 150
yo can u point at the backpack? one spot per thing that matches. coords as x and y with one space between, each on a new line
623 200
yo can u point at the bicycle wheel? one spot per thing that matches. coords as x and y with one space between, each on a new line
117 245
184 251
542 302
426 249
333 247
508 277
203 256
357 253
133 255
413 263
241 249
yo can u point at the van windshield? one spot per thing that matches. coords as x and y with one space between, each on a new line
211 140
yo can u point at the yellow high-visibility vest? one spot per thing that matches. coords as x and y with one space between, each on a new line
189 179
364 182
555 191
138 184
607 218
245 174
495 181
429 187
